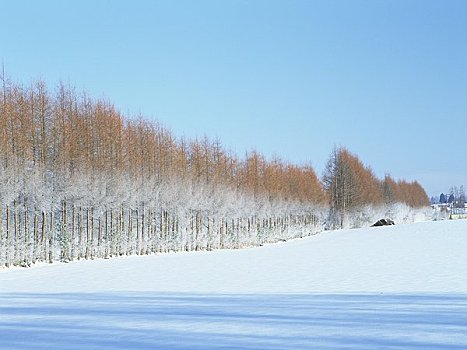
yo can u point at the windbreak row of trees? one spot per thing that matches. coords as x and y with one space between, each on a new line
80 180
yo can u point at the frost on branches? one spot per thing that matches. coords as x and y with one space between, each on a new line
78 180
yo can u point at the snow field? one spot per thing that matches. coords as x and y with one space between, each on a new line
253 321
399 287
421 257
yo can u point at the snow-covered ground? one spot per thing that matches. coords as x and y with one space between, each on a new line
395 287
421 257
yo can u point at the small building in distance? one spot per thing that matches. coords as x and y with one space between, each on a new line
458 213
444 211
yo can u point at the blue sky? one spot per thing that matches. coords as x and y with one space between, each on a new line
386 79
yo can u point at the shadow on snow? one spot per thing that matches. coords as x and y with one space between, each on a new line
181 321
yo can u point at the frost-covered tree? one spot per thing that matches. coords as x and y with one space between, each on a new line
78 179
461 197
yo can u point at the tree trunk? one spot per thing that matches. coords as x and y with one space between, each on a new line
64 240
51 237
106 235
92 232
80 233
26 236
99 233
209 240
44 236
110 236
36 237
16 245
161 228
130 233
137 232
73 232
142 248
88 238
221 233
149 245
122 233
8 233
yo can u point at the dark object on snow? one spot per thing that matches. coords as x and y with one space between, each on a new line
383 222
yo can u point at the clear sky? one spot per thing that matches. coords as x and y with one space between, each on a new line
386 79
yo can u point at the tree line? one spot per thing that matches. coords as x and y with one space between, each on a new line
455 197
350 185
78 179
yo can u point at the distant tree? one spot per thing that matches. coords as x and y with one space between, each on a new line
337 182
349 185
461 201
451 198
442 198
389 190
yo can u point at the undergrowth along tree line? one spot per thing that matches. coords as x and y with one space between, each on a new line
80 180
